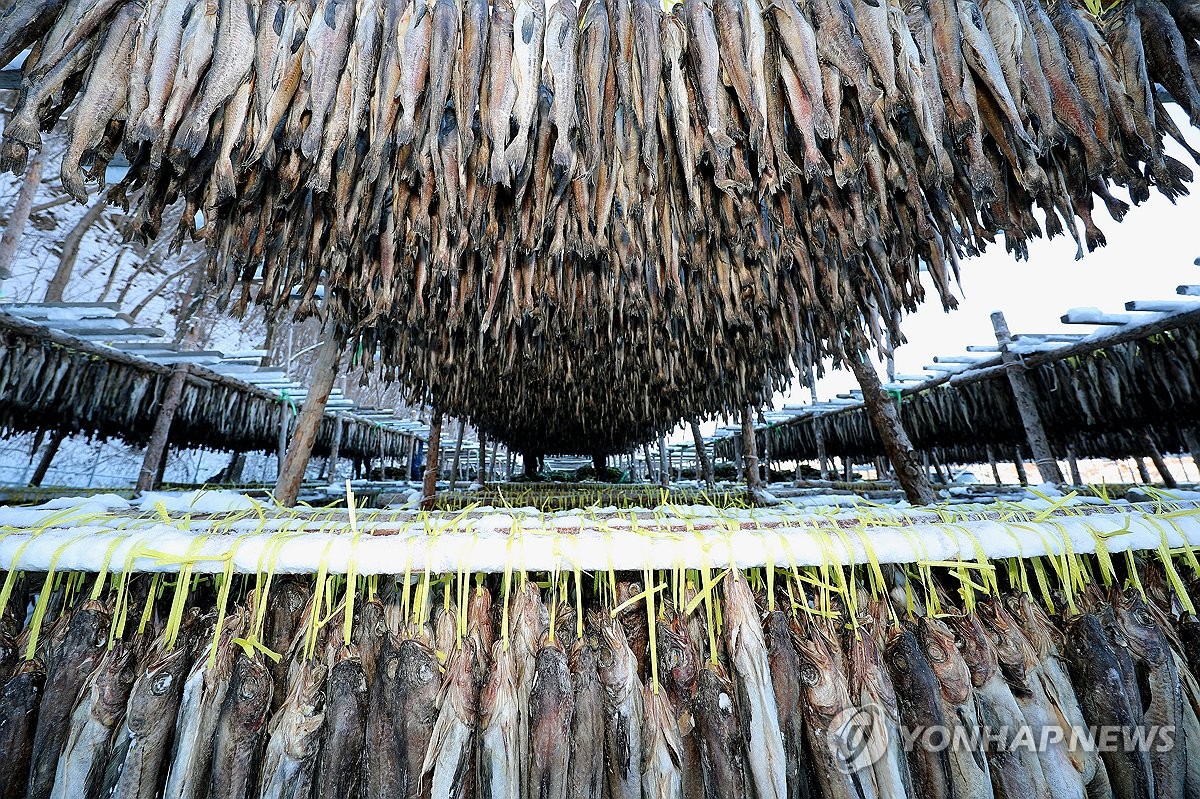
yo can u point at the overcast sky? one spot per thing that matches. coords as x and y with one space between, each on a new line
1147 256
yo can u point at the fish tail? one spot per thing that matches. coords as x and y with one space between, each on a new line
189 140
562 152
225 181
1177 169
514 156
148 128
72 181
14 157
1095 239
23 128
310 141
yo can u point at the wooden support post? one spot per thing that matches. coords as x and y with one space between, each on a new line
1019 462
847 470
885 416
56 440
1143 471
481 468
822 456
704 465
737 455
995 468
664 463
285 421
1160 463
19 217
335 448
1026 404
1073 465
462 427
942 478
162 464
156 450
1193 445
491 469
750 471
429 486
767 456
308 423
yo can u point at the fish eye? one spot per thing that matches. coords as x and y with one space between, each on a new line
160 684
936 653
900 661
393 665
809 674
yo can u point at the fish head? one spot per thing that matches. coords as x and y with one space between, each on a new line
824 684
371 623
1141 631
941 651
614 657
976 648
253 683
1045 637
417 664
114 680
866 668
479 608
678 656
1014 653
156 688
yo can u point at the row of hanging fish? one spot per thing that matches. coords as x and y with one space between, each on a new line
751 692
1101 404
681 192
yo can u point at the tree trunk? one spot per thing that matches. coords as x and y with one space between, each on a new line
462 427
750 451
491 467
664 463
308 423
155 455
1160 463
1143 471
481 470
600 464
429 485
767 456
529 464
56 439
649 467
233 472
70 252
703 463
1023 396
937 468
885 417
19 218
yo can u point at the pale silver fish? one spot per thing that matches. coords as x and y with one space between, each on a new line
662 755
164 62
529 26
559 70
499 772
623 709
499 85
195 54
448 758
326 48
416 24
232 58
468 76
97 716
752 674
295 737
103 97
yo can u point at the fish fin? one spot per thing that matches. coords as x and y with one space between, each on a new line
72 182
24 129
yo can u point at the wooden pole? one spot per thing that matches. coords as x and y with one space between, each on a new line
767 456
885 416
1019 462
156 449
19 217
308 423
481 469
285 421
56 440
491 470
335 448
750 451
429 487
1193 445
664 463
938 469
1160 463
703 462
1073 465
822 456
995 468
462 427
1026 405
847 470
1143 471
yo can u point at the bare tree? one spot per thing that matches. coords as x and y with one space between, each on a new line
70 252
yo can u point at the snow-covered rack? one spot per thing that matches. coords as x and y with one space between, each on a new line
234 534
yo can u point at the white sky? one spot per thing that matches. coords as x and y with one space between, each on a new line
1147 256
